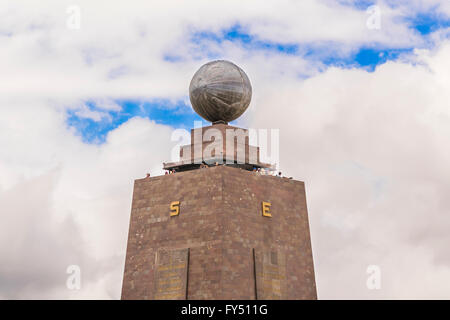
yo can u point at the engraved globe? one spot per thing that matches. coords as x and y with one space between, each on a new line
220 91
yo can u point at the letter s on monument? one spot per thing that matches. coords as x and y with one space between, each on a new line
174 208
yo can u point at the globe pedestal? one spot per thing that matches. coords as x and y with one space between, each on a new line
209 145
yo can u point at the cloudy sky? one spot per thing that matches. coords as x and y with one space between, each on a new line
359 92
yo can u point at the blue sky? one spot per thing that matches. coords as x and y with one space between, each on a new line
428 22
177 114
180 114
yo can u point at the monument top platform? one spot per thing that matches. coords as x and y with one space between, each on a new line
220 144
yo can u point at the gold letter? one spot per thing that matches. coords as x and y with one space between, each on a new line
266 209
174 208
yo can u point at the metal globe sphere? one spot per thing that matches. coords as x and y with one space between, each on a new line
220 91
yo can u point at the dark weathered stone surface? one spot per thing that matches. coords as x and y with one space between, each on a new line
221 223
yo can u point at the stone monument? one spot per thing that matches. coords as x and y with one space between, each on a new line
216 228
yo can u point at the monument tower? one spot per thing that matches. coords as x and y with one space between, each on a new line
216 228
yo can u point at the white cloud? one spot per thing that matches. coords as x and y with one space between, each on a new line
118 50
64 202
370 146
